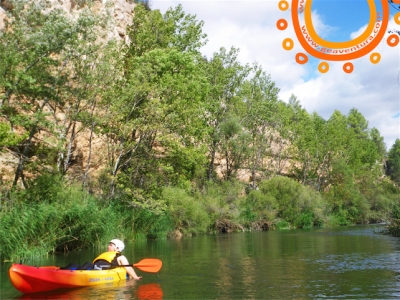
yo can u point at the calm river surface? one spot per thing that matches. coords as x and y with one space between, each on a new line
343 263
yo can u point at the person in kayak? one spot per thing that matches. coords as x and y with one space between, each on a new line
114 258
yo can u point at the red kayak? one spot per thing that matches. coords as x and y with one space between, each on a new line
28 279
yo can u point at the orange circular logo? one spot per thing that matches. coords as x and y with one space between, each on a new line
326 50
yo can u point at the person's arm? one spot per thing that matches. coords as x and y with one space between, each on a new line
122 260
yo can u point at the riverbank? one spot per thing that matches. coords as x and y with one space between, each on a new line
54 216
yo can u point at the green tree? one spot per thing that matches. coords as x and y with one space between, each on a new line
393 162
234 145
36 50
156 104
151 30
260 97
225 76
280 123
378 140
150 107
358 123
337 143
366 148
304 142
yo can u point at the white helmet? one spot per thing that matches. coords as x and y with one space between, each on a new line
118 244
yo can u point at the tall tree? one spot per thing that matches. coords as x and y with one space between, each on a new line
358 123
151 30
393 162
260 97
156 102
225 78
37 46
234 145
378 140
342 146
303 141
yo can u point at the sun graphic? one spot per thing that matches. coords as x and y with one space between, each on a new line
346 51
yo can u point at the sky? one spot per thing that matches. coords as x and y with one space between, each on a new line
250 25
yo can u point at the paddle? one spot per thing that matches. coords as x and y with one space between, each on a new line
151 265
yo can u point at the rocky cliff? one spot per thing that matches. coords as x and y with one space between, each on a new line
121 10
122 16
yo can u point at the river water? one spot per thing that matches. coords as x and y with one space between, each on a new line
340 263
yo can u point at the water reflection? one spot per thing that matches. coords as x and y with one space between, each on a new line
123 290
345 263
348 262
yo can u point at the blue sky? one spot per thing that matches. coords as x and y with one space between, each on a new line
342 21
251 26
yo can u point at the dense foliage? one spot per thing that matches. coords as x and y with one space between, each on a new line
176 131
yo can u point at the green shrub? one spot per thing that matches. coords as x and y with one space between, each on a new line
347 202
383 202
288 200
339 218
284 203
305 220
146 223
282 225
47 187
259 206
187 214
223 204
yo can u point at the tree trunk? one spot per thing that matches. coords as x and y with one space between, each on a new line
20 168
70 150
210 170
85 175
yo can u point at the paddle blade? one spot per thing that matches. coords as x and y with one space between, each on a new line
151 265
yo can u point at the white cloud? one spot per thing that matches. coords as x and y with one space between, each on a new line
322 29
251 26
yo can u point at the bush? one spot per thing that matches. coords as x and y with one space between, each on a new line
383 202
187 214
339 218
148 223
306 220
259 206
287 201
223 204
47 187
281 225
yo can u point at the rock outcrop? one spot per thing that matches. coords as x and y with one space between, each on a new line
121 12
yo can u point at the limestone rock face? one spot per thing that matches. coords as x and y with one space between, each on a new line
121 12
2 15
4 5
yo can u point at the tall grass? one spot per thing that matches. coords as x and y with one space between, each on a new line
61 218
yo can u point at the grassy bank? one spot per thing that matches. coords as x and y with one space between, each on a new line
54 216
